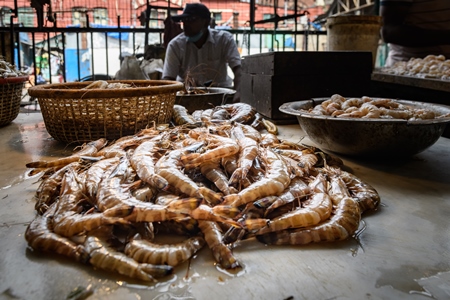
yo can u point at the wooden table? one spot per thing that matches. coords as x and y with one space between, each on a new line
403 251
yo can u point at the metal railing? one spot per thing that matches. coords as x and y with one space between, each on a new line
71 54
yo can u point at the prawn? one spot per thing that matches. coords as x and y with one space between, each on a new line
182 117
296 190
89 149
114 201
49 189
213 237
269 140
240 112
366 196
352 102
105 258
317 210
275 181
144 193
95 174
306 159
40 236
220 147
169 167
142 162
119 146
247 154
67 221
342 225
214 173
251 132
207 213
173 255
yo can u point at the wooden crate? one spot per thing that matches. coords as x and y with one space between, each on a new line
271 79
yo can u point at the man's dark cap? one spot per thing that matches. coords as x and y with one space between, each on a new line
193 10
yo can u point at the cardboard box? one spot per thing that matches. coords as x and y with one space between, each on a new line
271 79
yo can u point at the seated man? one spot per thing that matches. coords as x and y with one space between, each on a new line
202 55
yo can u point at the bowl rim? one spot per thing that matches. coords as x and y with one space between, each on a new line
217 91
293 108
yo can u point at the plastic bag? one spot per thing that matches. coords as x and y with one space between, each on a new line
130 69
153 68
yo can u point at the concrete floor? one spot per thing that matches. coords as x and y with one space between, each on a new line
402 253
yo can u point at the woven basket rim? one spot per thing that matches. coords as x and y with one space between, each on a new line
18 79
74 89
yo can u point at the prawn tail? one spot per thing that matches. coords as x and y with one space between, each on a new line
157 271
184 206
119 211
210 196
230 199
255 224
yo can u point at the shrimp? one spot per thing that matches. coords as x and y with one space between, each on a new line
118 148
251 218
387 103
269 140
251 132
340 226
213 237
116 201
274 183
182 117
423 114
207 213
240 112
169 254
352 102
144 193
257 122
142 162
317 210
212 171
219 114
306 159
89 149
367 110
96 173
169 167
49 189
332 107
40 236
219 147
366 196
248 152
98 84
296 190
105 258
67 221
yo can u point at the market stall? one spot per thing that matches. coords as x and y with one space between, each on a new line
400 250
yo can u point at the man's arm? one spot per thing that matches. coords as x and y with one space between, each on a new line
170 70
395 30
237 70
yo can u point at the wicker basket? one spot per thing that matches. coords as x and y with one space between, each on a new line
10 98
74 115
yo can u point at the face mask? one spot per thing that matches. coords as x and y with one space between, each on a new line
195 38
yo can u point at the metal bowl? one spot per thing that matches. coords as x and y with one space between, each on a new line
369 137
212 97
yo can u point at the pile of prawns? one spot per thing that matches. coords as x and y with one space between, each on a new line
216 184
